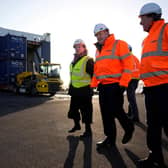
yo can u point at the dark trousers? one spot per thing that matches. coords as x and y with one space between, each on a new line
131 96
156 101
81 107
111 105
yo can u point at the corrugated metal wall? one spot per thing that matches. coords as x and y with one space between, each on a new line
17 54
12 57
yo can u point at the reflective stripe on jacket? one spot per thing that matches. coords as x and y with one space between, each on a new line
113 63
79 76
154 60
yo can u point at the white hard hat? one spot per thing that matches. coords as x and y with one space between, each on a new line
150 8
99 27
78 41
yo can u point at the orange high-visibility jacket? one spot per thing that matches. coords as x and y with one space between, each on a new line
113 63
136 68
154 60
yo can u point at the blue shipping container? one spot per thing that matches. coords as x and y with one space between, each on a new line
9 69
14 47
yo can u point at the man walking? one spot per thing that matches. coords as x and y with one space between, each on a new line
112 73
154 73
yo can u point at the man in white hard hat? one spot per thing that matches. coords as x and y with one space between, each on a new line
81 71
112 73
154 73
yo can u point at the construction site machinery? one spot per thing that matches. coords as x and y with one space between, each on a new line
46 81
21 62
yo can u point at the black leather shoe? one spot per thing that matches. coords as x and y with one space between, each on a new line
86 134
149 163
106 143
75 128
127 136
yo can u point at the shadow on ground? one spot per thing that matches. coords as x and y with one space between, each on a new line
73 144
10 102
113 156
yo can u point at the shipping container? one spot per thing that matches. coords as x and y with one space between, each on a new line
13 47
19 52
9 69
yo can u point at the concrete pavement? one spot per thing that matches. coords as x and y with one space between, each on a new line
34 134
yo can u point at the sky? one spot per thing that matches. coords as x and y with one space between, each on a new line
68 20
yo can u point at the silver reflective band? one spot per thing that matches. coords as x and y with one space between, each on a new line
81 81
152 74
113 56
109 76
127 71
107 57
125 56
155 53
112 75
